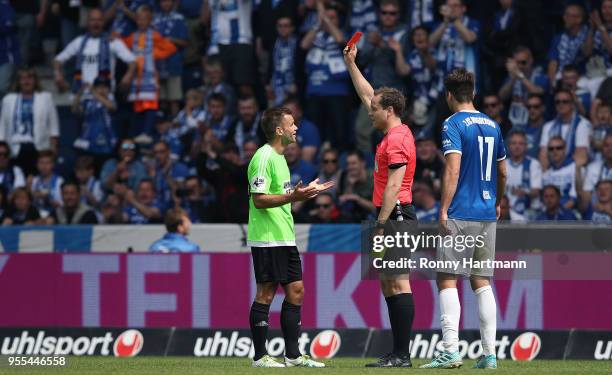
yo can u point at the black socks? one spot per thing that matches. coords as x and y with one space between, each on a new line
258 320
290 320
401 315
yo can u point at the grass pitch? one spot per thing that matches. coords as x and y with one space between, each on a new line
342 366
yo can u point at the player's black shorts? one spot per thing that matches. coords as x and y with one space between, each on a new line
281 264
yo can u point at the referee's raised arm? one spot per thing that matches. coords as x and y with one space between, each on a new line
362 86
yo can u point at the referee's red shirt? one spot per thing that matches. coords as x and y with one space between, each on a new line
396 147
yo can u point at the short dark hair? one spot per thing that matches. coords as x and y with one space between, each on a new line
557 138
562 90
395 3
292 99
271 119
390 97
356 153
217 97
84 162
517 132
530 96
553 187
460 83
46 154
147 180
71 183
174 218
5 145
570 68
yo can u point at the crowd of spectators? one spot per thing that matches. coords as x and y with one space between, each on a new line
167 97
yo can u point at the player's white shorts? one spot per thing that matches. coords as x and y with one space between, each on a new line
470 250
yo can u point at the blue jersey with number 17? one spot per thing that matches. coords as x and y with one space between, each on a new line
479 141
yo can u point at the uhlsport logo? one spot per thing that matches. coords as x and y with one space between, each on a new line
526 347
326 344
128 344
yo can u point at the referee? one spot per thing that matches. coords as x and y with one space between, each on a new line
395 162
271 236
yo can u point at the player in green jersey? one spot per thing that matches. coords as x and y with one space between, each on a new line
271 236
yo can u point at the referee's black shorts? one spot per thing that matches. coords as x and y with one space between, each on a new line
280 264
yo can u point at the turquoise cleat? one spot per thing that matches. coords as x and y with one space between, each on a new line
445 360
486 362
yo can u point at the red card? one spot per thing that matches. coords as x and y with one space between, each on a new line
354 39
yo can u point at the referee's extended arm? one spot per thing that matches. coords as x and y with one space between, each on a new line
362 86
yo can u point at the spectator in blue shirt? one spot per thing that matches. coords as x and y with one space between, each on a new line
533 130
363 16
601 211
283 63
569 46
456 38
123 14
523 80
217 118
328 79
308 136
171 25
300 169
9 45
167 132
553 211
425 202
126 168
569 81
167 174
422 77
214 83
141 207
175 240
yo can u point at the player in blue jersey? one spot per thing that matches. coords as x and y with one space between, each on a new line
472 190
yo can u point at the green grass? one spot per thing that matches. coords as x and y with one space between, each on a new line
344 366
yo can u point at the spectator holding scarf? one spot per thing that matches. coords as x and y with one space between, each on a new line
96 54
148 46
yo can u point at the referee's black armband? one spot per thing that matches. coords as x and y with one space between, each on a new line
396 165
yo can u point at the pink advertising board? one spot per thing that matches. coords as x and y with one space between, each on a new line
216 290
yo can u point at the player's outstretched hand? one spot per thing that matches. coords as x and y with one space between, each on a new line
350 54
301 193
323 186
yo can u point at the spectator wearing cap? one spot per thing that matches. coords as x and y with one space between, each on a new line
523 80
171 25
97 138
167 174
175 240
95 54
355 188
596 171
561 172
602 209
308 136
569 46
29 121
9 45
126 169
327 88
427 207
11 176
455 38
73 211
574 129
429 164
141 207
283 75
552 210
524 180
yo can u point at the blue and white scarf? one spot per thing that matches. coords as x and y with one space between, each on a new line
421 13
145 86
23 120
284 62
569 46
104 60
240 134
601 49
556 130
97 135
363 16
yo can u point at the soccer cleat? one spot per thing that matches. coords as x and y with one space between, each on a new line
303 361
445 360
267 362
391 360
486 362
